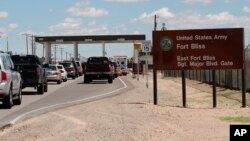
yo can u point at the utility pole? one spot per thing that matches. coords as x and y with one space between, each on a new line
27 44
155 71
7 44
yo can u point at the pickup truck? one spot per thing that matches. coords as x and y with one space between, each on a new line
32 71
99 68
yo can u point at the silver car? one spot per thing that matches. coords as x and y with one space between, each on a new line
54 74
10 82
63 72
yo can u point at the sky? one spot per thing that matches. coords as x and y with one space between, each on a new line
112 17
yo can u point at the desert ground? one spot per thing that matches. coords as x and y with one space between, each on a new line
132 116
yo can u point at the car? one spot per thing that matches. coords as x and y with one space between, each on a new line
69 67
98 68
83 64
54 74
10 82
74 66
79 67
117 69
32 71
63 72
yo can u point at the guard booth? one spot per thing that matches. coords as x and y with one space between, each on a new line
47 41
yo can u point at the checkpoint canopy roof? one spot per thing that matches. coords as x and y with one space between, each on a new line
90 39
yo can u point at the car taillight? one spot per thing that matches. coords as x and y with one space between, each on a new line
61 71
4 75
37 71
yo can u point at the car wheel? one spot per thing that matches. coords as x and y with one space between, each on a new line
46 87
86 79
8 100
110 80
18 101
40 89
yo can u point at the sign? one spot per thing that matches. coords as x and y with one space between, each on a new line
198 49
146 46
137 46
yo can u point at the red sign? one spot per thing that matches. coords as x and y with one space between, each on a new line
198 49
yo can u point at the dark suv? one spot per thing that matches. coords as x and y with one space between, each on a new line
98 68
69 67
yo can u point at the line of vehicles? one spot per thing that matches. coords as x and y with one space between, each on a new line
20 71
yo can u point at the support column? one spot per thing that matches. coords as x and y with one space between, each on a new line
47 47
76 51
103 49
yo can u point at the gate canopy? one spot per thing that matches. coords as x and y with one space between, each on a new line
90 39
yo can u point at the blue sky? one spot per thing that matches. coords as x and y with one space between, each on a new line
101 17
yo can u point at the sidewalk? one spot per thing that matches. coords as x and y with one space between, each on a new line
131 116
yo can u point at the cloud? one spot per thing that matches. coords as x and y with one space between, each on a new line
12 26
71 26
193 19
246 9
198 1
148 17
125 1
83 9
3 14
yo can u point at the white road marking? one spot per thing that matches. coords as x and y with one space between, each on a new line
70 102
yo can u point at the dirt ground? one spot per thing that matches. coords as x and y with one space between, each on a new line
132 116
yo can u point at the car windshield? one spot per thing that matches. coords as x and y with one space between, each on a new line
51 68
24 60
96 61
60 67
65 64
78 63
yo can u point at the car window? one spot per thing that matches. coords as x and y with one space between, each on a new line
65 64
78 64
96 61
60 67
51 68
5 63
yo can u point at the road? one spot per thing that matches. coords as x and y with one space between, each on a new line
59 96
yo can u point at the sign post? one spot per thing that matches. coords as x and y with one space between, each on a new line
199 49
146 48
137 47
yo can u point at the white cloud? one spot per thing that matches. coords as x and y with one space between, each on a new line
12 26
71 26
192 19
246 9
3 14
148 17
83 9
125 1
198 1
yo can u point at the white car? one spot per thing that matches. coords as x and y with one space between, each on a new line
10 82
63 72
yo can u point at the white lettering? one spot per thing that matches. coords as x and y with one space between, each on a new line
195 58
220 37
239 132
203 37
197 46
184 38
226 63
180 46
196 64
181 58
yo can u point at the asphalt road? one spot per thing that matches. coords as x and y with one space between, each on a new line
60 96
